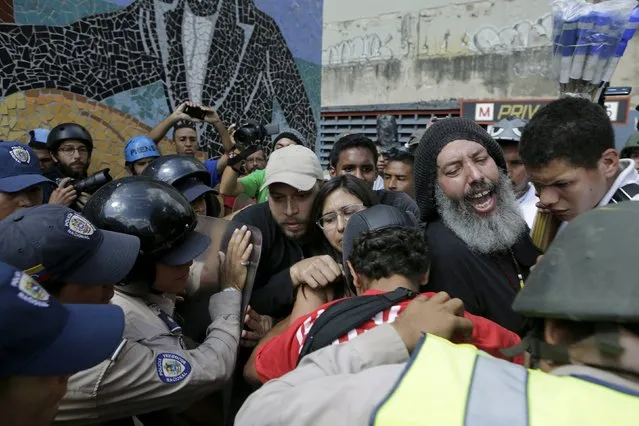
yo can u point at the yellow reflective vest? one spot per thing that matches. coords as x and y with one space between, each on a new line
446 384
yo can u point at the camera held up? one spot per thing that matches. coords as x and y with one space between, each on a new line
252 133
92 183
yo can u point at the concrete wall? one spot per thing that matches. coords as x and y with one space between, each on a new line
379 51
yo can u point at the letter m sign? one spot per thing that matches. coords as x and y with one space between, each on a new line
484 112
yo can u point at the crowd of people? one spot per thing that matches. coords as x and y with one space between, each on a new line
400 286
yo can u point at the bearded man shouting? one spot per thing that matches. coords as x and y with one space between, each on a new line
481 250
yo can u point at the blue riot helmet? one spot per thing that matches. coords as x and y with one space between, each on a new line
38 138
139 147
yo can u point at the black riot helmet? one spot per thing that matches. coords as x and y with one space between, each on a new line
172 168
67 131
157 214
188 175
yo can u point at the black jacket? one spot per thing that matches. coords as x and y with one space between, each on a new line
487 284
273 288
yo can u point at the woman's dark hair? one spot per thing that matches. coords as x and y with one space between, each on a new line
354 186
348 183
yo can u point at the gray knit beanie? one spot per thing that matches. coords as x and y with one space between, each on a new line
431 144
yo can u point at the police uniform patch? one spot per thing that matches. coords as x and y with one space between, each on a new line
30 291
78 226
172 368
20 155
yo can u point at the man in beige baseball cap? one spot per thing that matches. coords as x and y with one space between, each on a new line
293 176
296 166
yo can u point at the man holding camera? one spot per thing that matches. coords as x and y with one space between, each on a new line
70 146
183 121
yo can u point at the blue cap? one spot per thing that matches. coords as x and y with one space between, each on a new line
53 242
38 138
19 167
42 337
139 147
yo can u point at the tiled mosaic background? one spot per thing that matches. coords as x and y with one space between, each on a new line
119 66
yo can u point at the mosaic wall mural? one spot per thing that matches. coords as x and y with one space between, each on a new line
120 66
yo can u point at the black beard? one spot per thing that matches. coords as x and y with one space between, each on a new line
68 172
493 233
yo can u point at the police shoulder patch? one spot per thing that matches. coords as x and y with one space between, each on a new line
172 368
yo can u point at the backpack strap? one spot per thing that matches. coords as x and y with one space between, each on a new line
348 314
625 193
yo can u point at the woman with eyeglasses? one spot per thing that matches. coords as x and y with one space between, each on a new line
337 200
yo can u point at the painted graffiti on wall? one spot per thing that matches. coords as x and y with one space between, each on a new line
521 35
430 33
144 57
373 46
370 47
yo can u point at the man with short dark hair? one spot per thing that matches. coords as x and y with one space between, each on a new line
355 154
568 149
398 172
185 138
293 177
480 244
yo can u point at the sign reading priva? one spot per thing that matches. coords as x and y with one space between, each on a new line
491 111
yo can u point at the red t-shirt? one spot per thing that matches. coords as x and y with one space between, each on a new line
279 355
